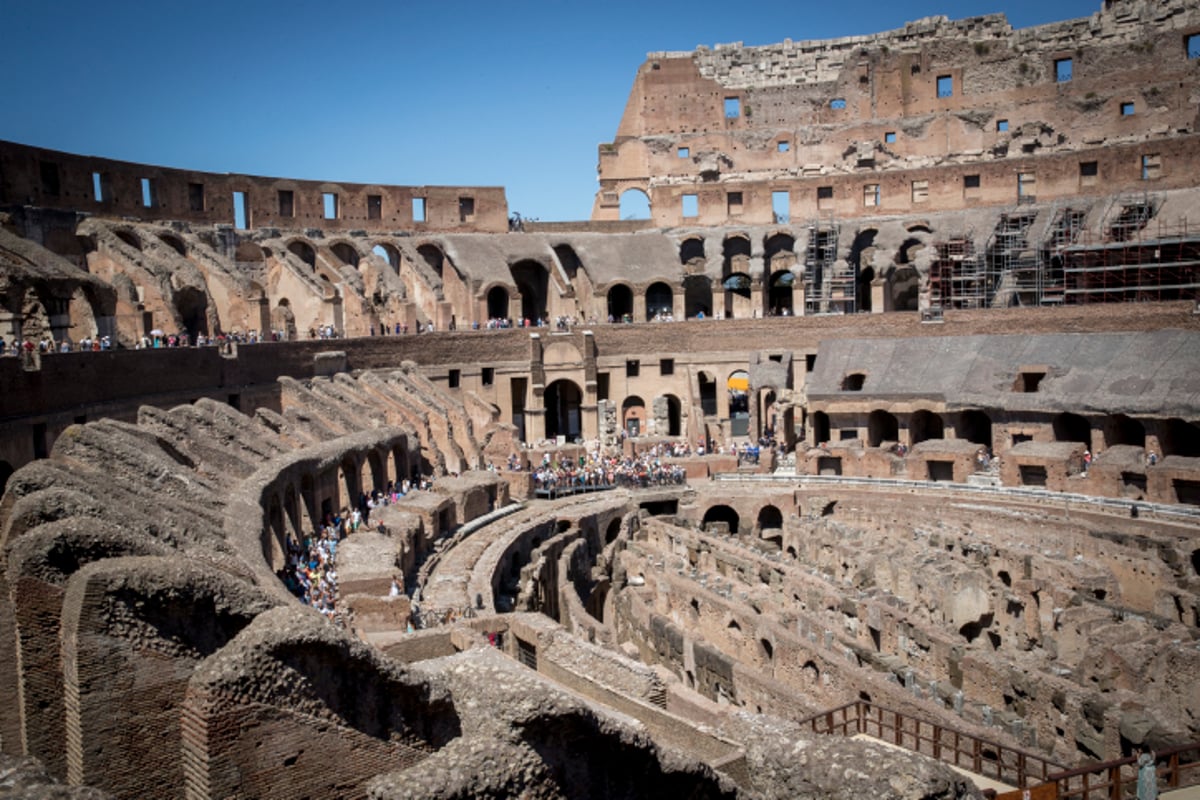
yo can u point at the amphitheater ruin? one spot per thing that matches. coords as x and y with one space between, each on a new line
868 466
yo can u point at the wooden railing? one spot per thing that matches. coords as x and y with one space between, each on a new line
1117 779
981 756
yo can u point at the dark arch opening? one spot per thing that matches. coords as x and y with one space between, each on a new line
532 282
388 253
1126 430
767 649
770 518
635 204
674 415
708 394
863 242
633 415
820 423
1070 427
345 253
304 251
568 258
620 303
1180 438
614 529
882 427
924 425
192 305
660 300
906 285
497 303
720 514
434 257
562 400
735 251
779 251
736 285
691 249
129 238
780 293
174 242
697 296
975 426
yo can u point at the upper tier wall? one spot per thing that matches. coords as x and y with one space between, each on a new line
101 186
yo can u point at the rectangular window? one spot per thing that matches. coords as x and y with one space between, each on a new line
101 189
871 195
488 376
920 191
1191 44
1062 69
1001 126
781 207
466 209
1127 109
148 198
889 137
837 103
196 196
1026 187
684 152
329 202
241 212
810 362
733 107
1089 171
418 209
454 378
632 369
945 86
971 186
1151 167
691 205
287 203
783 147
733 203
666 366
824 198
374 206
49 175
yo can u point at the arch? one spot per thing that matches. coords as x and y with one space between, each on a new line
532 280
820 422
924 425
1180 438
779 251
736 285
303 251
633 415
882 426
860 258
568 258
720 514
378 470
660 300
697 296
250 252
1125 430
735 252
620 303
766 649
351 475
708 393
765 412
779 294
345 252
905 289
975 426
691 250
128 237
284 319
433 256
738 386
174 242
635 204
769 518
497 303
562 400
674 415
389 253
1070 427
192 305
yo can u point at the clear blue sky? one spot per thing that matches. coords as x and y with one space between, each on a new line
476 92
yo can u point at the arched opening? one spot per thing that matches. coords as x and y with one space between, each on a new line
882 427
532 280
249 253
766 650
613 530
1070 427
303 251
674 416
660 301
738 386
345 253
779 252
1125 430
737 295
708 394
767 422
735 252
192 305
635 204
770 518
691 251
860 258
434 257
351 480
633 416
174 242
906 285
697 296
497 303
389 253
735 276
1180 438
779 302
820 423
975 426
378 471
129 237
284 319
923 425
562 399
568 258
720 518
620 303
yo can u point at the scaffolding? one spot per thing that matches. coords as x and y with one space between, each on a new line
1136 260
1011 264
828 287
1065 229
958 276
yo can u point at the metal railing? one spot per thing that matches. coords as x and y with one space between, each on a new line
1175 767
985 757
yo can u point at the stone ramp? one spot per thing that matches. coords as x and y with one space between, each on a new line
984 783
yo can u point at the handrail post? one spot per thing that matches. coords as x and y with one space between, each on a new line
977 760
1114 782
937 742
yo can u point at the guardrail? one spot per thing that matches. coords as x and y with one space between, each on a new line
981 756
1112 503
1175 767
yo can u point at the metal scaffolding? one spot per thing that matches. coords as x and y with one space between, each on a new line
958 275
1138 259
828 288
1011 264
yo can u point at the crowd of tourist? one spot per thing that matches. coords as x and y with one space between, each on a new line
602 472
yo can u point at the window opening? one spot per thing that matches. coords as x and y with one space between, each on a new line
454 378
329 200
824 197
374 206
1001 126
1192 45
691 205
945 86
837 103
970 181
1028 382
1026 187
781 207
1088 172
632 369
920 191
684 152
488 377
196 196
890 137
49 175
418 209
466 209
853 382
1127 109
97 187
1063 68
241 213
666 366
287 203
733 107
871 194
734 203
148 193
1151 167
783 147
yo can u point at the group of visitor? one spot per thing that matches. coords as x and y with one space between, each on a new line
600 472
311 571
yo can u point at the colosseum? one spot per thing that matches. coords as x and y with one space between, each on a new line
867 466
